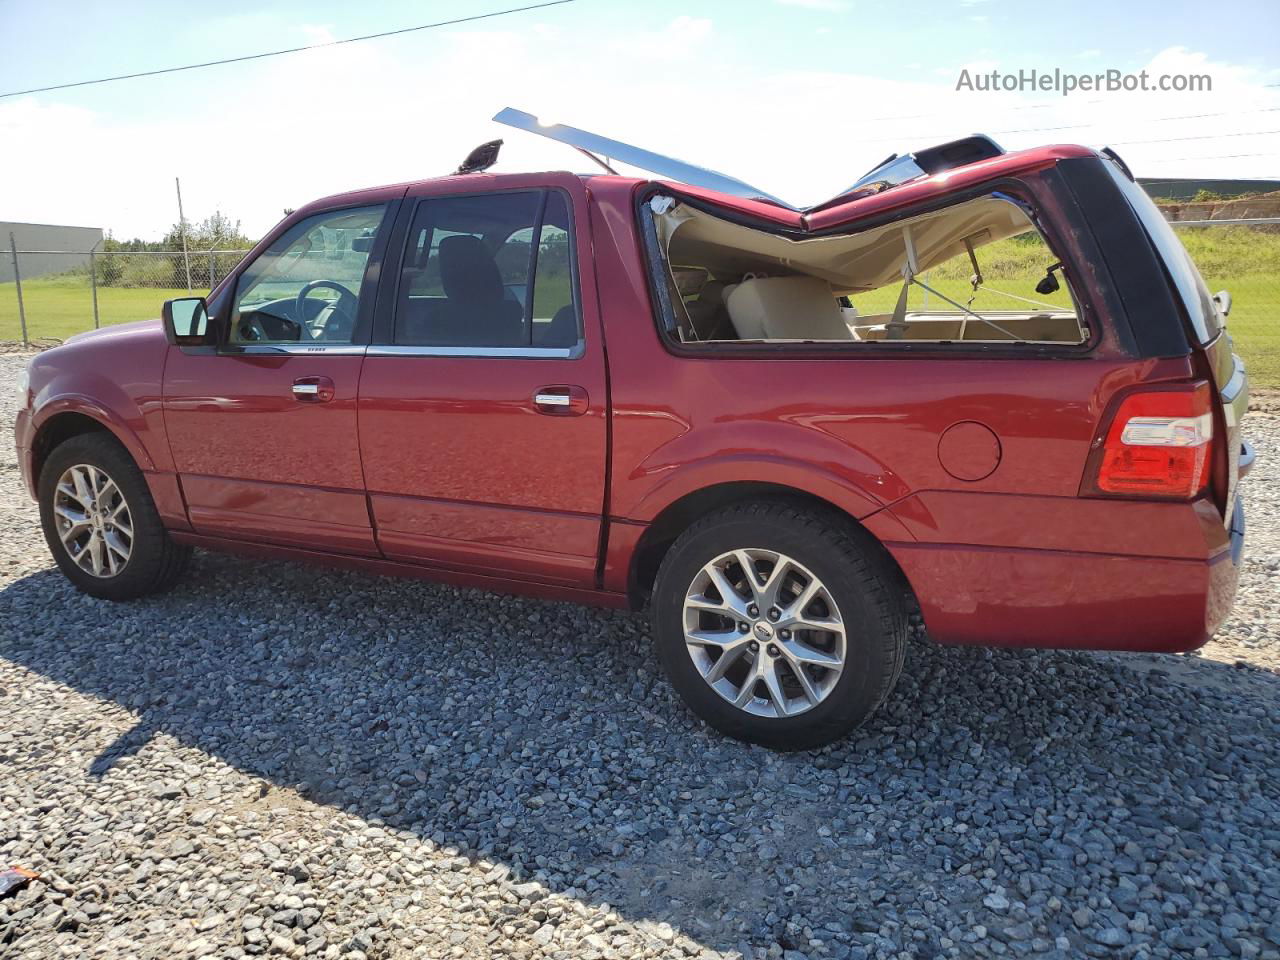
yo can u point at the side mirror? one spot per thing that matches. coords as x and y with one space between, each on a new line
186 322
1223 300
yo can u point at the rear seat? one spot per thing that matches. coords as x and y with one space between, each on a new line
785 308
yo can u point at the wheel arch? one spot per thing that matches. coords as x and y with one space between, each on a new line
70 417
667 526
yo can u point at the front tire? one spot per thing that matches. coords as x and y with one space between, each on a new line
101 524
779 626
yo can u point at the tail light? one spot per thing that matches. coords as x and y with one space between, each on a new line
1157 445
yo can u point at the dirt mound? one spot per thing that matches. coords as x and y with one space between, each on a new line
1263 205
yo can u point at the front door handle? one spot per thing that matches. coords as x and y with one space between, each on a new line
313 389
561 400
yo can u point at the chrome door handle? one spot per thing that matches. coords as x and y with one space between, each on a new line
313 389
561 400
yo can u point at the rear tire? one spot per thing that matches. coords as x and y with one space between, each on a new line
820 666
101 524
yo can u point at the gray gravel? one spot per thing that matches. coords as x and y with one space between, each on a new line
278 760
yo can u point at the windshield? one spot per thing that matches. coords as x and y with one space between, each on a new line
1182 269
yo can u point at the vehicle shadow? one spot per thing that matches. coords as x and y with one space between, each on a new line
542 736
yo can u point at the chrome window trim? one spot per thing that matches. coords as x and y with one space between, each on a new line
298 349
523 353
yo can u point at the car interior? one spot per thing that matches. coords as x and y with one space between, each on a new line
978 271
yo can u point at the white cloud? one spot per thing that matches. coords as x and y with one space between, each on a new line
680 38
826 6
295 128
1093 53
317 33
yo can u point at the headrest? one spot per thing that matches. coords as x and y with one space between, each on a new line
468 271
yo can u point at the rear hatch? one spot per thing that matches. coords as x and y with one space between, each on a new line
1209 340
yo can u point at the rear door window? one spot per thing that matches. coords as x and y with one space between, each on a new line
488 271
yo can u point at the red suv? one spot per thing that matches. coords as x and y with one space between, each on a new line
793 433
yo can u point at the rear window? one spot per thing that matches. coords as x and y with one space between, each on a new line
1182 269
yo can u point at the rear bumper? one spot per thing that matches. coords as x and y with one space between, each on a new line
1020 597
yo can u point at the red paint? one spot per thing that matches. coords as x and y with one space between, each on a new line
1047 598
967 468
251 455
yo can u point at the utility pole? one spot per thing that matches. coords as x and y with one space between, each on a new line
182 229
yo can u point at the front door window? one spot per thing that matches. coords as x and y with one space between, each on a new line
305 288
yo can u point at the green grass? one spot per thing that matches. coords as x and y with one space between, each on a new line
62 305
1254 325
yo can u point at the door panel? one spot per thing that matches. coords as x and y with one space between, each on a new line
258 461
483 397
263 431
463 469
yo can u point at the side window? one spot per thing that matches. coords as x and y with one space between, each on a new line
488 271
305 287
976 272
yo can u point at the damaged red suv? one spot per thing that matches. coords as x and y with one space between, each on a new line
983 391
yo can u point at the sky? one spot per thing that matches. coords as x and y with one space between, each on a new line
799 97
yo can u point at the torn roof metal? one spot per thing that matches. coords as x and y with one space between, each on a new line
891 173
593 143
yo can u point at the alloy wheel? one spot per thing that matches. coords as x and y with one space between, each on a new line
764 632
93 520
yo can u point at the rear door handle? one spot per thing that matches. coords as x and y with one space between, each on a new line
561 400
313 389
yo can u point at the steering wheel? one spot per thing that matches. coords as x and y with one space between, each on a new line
256 326
341 321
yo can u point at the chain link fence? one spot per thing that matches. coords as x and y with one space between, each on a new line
46 296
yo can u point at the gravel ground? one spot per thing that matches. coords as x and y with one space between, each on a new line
278 760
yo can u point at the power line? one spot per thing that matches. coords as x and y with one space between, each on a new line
278 53
1216 156
1202 136
1090 126
1058 103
